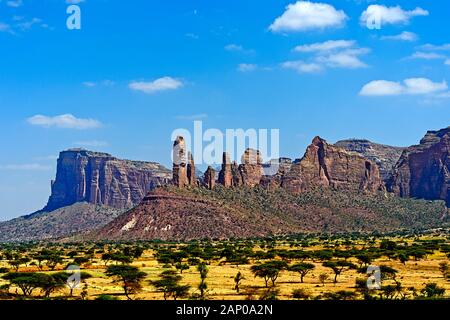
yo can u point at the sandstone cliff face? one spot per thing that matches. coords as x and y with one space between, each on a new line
209 179
101 179
423 171
325 165
384 156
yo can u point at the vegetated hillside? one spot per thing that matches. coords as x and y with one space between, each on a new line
75 219
171 213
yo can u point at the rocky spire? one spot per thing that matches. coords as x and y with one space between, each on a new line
210 178
192 180
225 175
180 176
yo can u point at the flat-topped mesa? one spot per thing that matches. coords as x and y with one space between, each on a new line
101 179
423 171
209 179
325 165
180 163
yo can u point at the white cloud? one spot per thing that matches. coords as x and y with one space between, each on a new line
302 66
325 46
4 27
348 59
25 167
412 86
404 36
306 15
192 117
427 55
161 84
329 54
432 47
238 48
91 84
234 47
247 67
65 121
390 15
91 143
14 3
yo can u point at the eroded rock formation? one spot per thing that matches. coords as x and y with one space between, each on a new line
325 165
101 179
384 156
209 179
423 171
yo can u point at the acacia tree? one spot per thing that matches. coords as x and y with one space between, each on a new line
302 268
27 282
169 285
130 278
269 271
338 267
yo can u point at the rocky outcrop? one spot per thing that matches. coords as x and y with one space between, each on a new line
384 156
423 171
250 169
274 171
101 179
325 165
192 178
209 179
226 174
180 163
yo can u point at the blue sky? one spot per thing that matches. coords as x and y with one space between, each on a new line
135 72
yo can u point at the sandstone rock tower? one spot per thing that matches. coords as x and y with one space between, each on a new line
180 163
226 174
210 178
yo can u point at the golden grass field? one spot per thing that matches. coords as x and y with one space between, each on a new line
220 278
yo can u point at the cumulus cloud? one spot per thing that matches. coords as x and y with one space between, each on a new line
329 54
302 66
427 55
404 36
348 59
432 47
325 46
161 84
64 121
411 86
306 15
247 67
390 15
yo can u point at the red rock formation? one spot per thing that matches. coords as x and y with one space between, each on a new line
180 163
423 171
325 165
251 170
192 179
99 178
226 174
209 179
